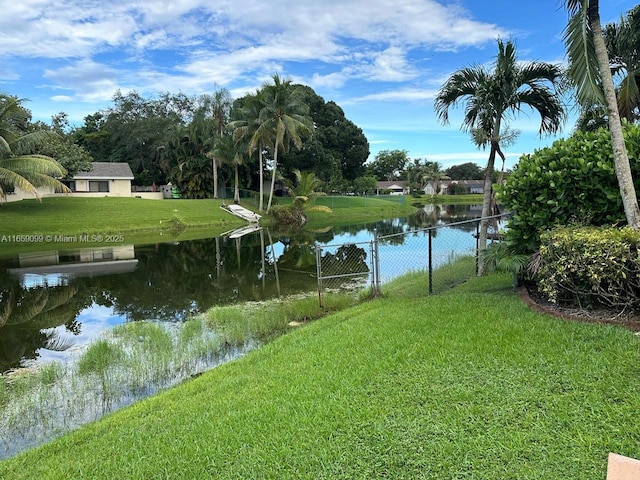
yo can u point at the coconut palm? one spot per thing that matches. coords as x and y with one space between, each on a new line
622 41
283 117
245 122
227 152
220 105
491 96
18 167
589 71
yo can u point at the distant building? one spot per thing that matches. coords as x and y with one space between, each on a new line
394 188
471 186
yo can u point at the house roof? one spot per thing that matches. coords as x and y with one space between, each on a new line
107 171
392 185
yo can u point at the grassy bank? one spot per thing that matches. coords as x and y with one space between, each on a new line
357 210
30 225
468 383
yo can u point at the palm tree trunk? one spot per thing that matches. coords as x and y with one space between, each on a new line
486 207
215 178
236 190
261 180
273 177
620 157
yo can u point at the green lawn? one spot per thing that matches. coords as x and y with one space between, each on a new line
469 383
31 225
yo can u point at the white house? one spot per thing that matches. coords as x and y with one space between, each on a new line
394 188
107 178
471 186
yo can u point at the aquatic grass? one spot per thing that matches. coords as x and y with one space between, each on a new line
470 384
99 357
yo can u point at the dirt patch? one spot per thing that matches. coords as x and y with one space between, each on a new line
535 300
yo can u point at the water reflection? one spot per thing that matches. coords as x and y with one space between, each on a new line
56 301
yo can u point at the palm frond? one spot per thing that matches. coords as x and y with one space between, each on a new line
583 64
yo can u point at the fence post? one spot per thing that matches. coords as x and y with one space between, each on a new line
430 261
477 246
376 264
319 273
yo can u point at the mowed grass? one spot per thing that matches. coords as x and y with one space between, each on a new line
467 384
73 215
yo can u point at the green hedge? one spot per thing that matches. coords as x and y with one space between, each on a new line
591 267
574 180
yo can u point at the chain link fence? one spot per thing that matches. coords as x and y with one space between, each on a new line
354 266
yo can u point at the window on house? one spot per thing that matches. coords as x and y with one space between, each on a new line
95 186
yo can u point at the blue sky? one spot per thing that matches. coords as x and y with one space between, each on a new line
382 61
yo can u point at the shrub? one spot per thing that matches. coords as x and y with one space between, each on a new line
574 180
288 216
591 266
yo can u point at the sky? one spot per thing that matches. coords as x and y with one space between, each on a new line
382 61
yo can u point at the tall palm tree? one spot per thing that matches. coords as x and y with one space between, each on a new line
589 70
18 167
227 152
283 117
492 95
245 122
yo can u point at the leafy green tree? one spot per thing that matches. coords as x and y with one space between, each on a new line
573 181
19 167
135 129
62 147
284 118
388 164
465 171
337 148
589 71
365 184
492 95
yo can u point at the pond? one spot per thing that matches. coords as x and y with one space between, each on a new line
60 308
56 301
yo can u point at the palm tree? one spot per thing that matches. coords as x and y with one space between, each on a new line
589 70
305 187
283 118
244 130
220 105
226 151
18 167
622 41
490 97
432 172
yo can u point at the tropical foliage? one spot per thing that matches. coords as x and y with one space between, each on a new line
574 180
589 69
492 95
19 166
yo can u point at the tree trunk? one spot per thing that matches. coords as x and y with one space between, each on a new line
273 177
261 180
620 157
215 178
236 190
486 208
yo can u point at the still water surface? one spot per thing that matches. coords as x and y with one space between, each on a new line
53 303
